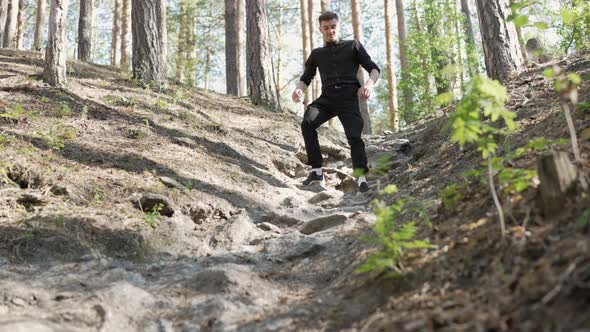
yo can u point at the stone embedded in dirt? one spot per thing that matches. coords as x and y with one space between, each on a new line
28 326
25 177
280 220
58 190
327 199
148 201
199 212
265 226
239 229
171 183
323 223
32 199
289 166
557 176
348 185
334 152
302 156
294 246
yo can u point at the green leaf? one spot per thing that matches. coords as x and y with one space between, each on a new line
568 16
521 20
541 25
574 78
585 134
549 73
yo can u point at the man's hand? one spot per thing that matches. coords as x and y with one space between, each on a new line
366 91
297 94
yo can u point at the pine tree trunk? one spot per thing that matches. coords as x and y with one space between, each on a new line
259 73
163 33
39 25
148 56
182 38
3 14
310 20
231 48
502 51
240 40
10 26
364 106
391 78
115 47
55 56
401 32
466 10
20 32
324 5
85 30
191 40
305 41
125 34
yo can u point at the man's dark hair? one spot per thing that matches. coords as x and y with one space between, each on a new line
328 16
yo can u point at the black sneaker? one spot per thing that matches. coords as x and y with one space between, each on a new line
313 177
364 187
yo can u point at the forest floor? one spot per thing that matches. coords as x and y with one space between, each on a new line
181 210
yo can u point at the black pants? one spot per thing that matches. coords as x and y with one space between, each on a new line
343 103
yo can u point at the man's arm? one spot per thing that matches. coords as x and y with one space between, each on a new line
366 91
306 78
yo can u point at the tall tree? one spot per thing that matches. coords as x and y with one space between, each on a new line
503 56
182 34
519 34
3 14
20 29
55 55
466 10
310 20
115 47
391 78
356 26
260 78
240 46
305 40
148 41
125 34
39 24
324 5
85 30
9 37
232 52
401 33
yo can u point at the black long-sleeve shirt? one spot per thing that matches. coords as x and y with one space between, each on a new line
338 63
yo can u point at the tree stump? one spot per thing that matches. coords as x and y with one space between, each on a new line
557 176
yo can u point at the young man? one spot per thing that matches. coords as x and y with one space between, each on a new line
338 62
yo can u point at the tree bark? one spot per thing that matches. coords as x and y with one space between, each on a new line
10 26
305 41
20 24
391 78
260 77
324 5
466 10
191 41
310 20
115 35
240 40
3 14
182 38
85 30
364 106
401 32
148 56
125 34
39 25
503 55
55 56
232 52
163 32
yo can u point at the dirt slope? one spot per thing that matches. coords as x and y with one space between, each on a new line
238 244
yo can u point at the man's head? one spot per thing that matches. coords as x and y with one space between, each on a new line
330 26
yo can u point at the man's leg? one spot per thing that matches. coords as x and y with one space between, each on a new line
350 117
314 117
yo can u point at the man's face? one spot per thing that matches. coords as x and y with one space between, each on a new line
330 30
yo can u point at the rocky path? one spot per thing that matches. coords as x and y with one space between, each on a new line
216 268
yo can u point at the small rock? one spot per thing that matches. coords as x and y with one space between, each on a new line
280 220
26 326
318 198
265 226
199 212
148 201
58 190
302 156
17 301
32 199
323 223
171 183
239 229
